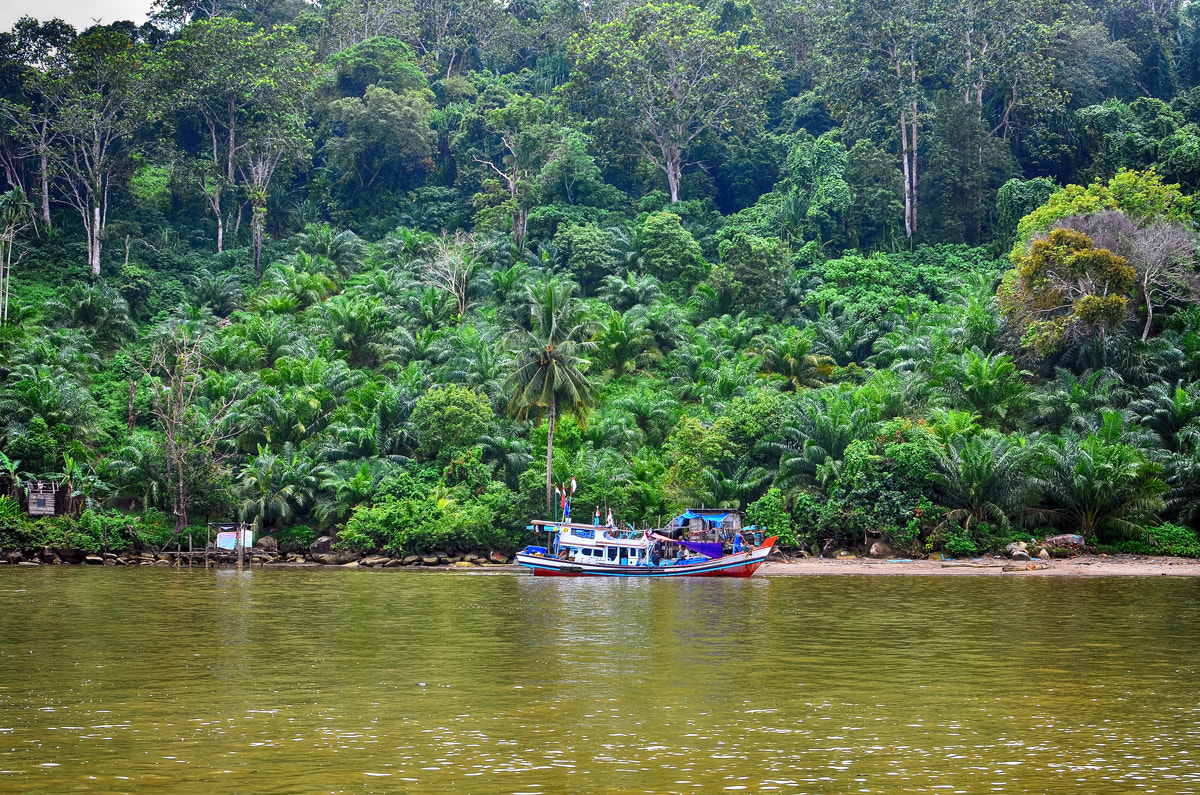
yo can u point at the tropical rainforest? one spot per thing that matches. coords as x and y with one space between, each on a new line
396 271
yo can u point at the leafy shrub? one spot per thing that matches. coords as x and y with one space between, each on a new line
412 526
769 513
1129 546
1172 539
882 488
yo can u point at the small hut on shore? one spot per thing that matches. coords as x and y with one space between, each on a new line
43 497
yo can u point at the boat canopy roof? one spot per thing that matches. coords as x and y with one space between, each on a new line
716 517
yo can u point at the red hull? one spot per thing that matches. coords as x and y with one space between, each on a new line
737 571
543 566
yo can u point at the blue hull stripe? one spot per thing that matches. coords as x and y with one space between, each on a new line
577 570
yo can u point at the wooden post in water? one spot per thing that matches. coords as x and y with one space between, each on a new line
241 545
207 541
189 549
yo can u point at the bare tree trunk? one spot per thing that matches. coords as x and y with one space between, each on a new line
216 205
94 245
44 179
673 167
1149 312
913 169
550 455
908 230
5 278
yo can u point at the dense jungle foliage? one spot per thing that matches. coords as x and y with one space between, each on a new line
391 269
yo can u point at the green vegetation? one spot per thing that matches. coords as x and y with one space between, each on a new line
918 273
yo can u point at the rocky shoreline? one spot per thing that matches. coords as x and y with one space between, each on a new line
266 552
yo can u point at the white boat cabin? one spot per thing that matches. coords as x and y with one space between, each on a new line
584 543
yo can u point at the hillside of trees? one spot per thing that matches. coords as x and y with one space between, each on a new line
392 269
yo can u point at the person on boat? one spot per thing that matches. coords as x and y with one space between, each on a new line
596 518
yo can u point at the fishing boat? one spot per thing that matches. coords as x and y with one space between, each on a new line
582 550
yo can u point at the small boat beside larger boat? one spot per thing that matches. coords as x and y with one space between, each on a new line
581 550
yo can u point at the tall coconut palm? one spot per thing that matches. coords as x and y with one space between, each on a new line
550 376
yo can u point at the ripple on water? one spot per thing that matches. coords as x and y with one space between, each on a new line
299 682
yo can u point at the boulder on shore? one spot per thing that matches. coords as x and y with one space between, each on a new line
322 546
1017 550
879 550
1066 541
267 544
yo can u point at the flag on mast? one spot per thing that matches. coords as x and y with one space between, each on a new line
573 486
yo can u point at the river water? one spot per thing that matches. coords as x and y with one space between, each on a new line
308 681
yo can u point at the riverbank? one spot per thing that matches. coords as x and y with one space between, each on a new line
1081 566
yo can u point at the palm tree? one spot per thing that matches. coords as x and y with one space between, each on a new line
507 455
356 326
985 478
733 483
222 292
348 486
624 340
289 286
790 355
652 412
1172 414
844 338
813 443
1069 399
276 488
989 385
633 290
407 245
1099 484
136 470
97 307
550 376
344 249
51 394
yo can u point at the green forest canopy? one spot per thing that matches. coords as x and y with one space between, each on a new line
924 272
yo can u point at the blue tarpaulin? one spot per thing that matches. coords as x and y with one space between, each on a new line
715 518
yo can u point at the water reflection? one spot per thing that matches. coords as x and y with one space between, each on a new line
147 680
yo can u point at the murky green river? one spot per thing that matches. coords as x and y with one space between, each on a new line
307 681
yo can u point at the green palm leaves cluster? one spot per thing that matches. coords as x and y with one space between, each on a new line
549 379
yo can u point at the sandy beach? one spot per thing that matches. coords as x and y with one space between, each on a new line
1082 566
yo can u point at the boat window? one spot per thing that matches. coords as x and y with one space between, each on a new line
612 553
